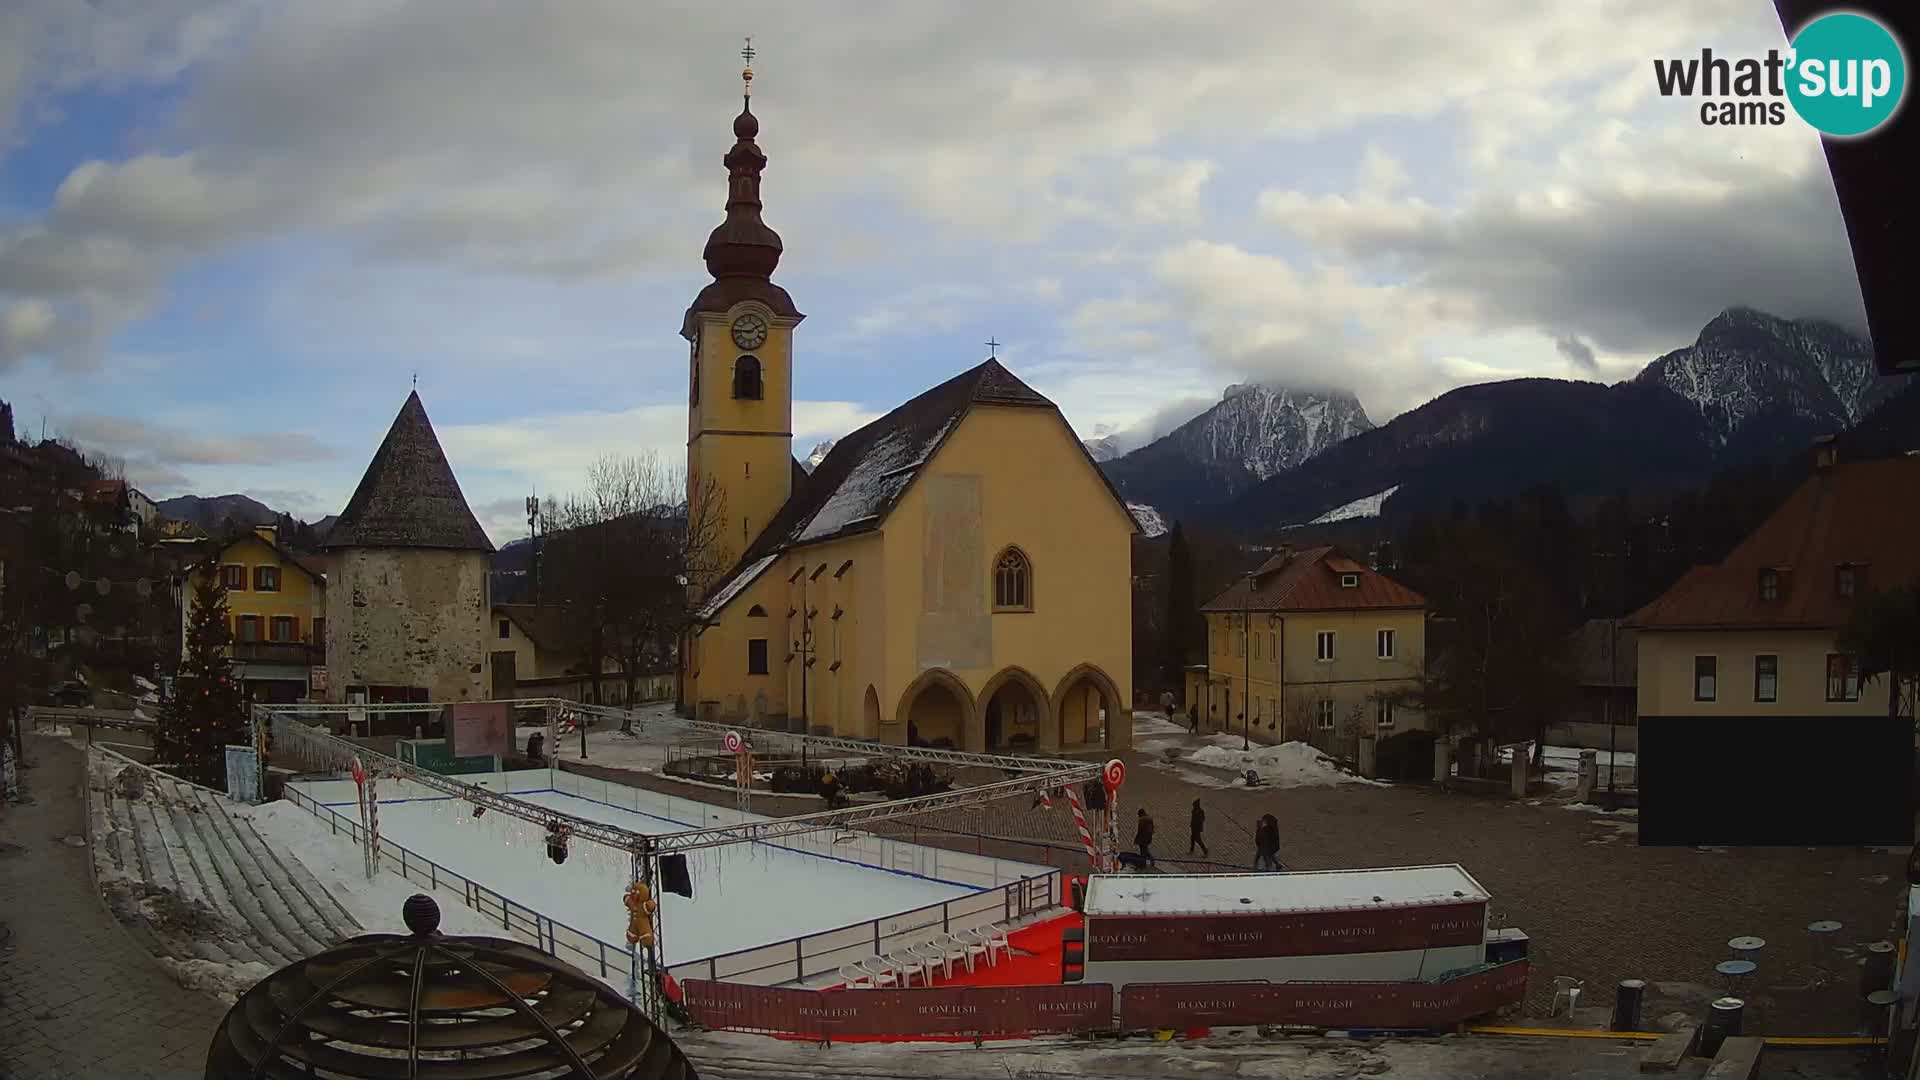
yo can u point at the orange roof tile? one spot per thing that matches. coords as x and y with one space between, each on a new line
1863 514
1309 580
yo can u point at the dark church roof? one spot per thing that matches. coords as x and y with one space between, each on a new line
408 497
861 479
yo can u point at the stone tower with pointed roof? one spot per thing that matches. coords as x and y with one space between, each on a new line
407 597
958 572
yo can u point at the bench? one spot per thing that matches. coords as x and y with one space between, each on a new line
1738 1059
1668 1050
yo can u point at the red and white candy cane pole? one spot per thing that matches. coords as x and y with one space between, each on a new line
1112 776
1080 822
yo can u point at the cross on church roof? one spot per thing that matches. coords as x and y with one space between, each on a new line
993 349
746 74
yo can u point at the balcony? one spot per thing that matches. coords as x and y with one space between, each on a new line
297 653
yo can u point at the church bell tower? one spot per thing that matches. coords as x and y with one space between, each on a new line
740 367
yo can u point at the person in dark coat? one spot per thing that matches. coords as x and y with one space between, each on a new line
830 788
1143 836
1197 823
1266 843
537 746
1193 717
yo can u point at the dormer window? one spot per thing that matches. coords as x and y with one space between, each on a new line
746 378
1769 586
1846 580
1349 581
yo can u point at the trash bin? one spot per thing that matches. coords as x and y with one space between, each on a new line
1723 1022
1626 1004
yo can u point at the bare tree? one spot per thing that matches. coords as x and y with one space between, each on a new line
621 554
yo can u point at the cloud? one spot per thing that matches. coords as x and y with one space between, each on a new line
149 444
1578 353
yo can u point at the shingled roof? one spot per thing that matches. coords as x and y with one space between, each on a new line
408 497
861 479
1861 514
1309 580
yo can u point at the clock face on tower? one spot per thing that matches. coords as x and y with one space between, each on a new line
749 331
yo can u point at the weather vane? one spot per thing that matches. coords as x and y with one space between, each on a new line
746 74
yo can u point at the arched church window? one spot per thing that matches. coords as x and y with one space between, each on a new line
1012 581
756 612
746 378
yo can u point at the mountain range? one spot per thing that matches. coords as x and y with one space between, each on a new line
1752 387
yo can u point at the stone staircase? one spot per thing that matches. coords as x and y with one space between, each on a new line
180 868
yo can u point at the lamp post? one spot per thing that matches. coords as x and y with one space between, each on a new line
1613 676
1246 666
803 648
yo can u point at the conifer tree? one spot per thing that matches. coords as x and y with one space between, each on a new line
1182 612
206 711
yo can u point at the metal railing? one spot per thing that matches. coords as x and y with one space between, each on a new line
544 932
800 958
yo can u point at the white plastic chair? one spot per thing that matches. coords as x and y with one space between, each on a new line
957 949
878 973
855 976
934 956
1567 989
904 965
993 937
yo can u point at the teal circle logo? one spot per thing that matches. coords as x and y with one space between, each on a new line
1847 74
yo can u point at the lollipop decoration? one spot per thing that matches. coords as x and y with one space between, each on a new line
733 743
1113 775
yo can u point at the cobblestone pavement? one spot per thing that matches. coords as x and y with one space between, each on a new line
78 997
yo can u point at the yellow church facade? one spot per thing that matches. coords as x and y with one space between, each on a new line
956 573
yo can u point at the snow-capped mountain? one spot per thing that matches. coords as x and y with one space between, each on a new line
1150 522
1254 432
1747 362
817 455
1108 442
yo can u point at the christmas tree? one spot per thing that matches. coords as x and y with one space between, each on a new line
206 711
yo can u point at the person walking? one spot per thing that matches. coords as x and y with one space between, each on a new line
1197 823
830 789
1193 717
1143 836
1266 843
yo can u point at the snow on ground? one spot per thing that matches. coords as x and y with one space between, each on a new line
1359 508
224 981
743 895
1288 764
338 863
1563 765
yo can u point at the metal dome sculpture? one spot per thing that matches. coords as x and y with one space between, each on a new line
422 1006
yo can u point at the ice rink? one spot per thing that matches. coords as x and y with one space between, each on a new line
744 895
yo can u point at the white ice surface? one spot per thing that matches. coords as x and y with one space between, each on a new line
744 895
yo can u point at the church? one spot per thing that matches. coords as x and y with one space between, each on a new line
956 573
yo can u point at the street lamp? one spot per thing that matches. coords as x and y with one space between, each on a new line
1246 666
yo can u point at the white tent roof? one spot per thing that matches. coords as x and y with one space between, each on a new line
1250 894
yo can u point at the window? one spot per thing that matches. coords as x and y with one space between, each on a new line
757 656
1383 712
746 378
1323 645
283 628
1843 677
247 628
1323 713
1705 686
320 630
234 577
1273 711
1769 585
506 629
1012 582
1383 644
1766 678
1845 581
756 612
1259 643
1349 581
266 579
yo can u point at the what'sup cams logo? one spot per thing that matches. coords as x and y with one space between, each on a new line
1844 74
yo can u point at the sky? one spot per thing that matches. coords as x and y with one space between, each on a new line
233 233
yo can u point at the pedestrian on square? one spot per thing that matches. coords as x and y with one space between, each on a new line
1166 702
1198 823
1193 717
1266 843
1143 836
830 788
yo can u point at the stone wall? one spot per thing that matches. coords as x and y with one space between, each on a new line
408 617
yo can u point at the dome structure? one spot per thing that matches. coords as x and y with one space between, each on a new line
424 1005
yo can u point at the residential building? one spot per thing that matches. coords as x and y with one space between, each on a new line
1313 646
956 572
276 610
1604 657
1754 634
407 611
541 650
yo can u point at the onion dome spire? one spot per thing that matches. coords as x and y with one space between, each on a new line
743 245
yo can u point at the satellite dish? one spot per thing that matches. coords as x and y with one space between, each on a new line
73 579
103 586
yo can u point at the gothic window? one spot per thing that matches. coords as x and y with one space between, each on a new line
756 612
1012 582
746 378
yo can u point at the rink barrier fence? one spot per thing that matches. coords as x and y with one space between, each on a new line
1000 1011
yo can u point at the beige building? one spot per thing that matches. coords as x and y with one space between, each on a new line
407 599
1312 646
1754 635
958 572
541 650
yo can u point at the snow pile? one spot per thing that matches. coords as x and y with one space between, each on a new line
224 981
1365 507
1289 764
